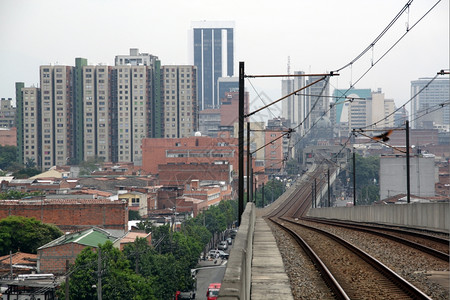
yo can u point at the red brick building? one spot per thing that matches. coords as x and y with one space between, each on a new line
229 108
182 174
189 150
8 136
273 153
70 215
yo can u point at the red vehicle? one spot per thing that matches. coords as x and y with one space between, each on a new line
213 291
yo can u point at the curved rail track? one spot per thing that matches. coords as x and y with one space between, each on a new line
349 272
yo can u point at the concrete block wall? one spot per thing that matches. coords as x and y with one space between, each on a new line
426 215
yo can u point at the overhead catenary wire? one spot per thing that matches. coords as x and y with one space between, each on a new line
383 32
390 48
412 98
352 85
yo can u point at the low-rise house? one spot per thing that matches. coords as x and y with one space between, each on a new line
130 237
51 258
18 263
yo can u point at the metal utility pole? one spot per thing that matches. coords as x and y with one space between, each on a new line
66 296
329 191
312 194
11 274
315 192
354 178
99 270
408 183
252 193
241 143
249 199
262 194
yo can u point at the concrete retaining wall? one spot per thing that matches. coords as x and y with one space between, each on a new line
237 280
427 215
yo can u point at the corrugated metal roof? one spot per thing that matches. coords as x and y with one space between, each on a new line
90 237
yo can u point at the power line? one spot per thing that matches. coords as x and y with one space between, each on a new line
412 98
405 8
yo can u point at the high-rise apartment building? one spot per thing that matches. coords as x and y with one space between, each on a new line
317 101
380 110
96 111
135 59
19 121
103 112
212 53
351 114
427 108
30 144
359 108
56 115
179 87
155 105
7 113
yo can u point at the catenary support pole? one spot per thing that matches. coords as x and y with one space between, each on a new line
249 199
329 188
241 142
66 296
99 270
252 192
315 192
354 178
408 182
262 195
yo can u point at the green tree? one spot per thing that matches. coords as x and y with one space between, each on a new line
272 190
25 173
90 165
8 157
14 194
133 215
367 177
292 167
25 234
118 280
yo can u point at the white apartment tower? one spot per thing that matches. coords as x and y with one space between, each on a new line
428 108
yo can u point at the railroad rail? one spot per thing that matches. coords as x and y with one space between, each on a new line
432 245
373 280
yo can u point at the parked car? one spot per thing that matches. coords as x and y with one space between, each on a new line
229 241
233 233
223 245
218 253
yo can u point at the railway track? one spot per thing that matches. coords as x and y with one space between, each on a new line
349 272
343 267
432 245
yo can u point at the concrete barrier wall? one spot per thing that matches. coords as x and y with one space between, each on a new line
426 215
237 280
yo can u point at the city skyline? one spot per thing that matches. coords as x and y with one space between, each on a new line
334 34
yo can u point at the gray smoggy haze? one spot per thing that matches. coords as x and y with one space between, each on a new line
318 36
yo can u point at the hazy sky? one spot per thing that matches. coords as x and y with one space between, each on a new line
318 36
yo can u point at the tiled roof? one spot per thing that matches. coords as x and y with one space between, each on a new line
19 258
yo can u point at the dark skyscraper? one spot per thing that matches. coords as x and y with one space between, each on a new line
212 51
